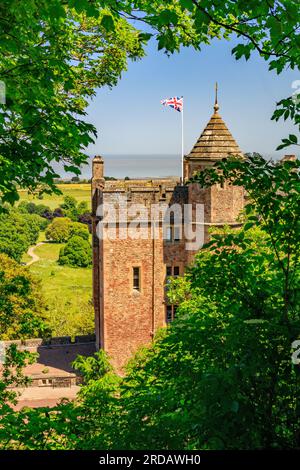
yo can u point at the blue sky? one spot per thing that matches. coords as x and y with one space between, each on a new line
130 119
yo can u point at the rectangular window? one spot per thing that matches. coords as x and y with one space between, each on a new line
177 233
173 233
169 270
171 311
169 234
174 311
136 279
176 271
173 271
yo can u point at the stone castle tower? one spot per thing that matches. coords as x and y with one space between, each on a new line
130 274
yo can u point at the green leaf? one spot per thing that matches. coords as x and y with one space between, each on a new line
167 17
249 225
188 4
293 139
145 36
108 23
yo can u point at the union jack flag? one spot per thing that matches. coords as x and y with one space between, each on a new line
175 103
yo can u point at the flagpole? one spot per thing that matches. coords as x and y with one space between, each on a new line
182 145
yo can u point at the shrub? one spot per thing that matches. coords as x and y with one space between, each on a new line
59 230
86 219
27 207
36 220
58 212
79 230
77 253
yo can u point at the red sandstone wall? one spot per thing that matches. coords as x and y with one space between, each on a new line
125 319
131 317
226 203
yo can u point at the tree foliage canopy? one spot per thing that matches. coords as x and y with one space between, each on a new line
54 55
59 230
22 309
77 252
18 231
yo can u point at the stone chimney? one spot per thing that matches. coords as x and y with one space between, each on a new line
98 168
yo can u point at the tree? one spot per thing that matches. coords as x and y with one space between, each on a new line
77 253
21 305
37 222
54 55
12 377
69 207
64 427
17 232
32 208
79 230
82 208
72 209
59 230
58 212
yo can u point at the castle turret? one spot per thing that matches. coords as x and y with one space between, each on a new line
222 204
215 142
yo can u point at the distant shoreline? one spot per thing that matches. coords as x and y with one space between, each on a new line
136 166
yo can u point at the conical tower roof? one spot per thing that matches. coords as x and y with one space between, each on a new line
216 141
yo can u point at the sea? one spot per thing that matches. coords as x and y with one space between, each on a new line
135 166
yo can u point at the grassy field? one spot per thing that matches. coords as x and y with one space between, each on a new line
25 258
81 192
67 291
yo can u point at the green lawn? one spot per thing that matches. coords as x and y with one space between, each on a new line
26 258
82 192
49 251
67 291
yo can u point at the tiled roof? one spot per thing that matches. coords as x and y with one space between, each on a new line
216 141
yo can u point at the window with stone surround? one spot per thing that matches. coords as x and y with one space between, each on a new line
176 271
170 313
173 233
176 233
172 271
168 234
136 273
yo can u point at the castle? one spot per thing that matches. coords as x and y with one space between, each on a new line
130 273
